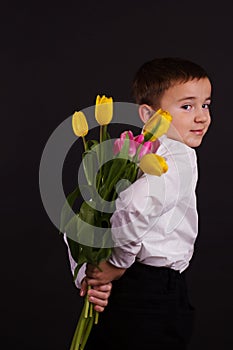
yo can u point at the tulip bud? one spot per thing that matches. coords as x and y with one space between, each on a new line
103 110
155 146
153 164
132 145
139 139
128 133
146 148
157 125
79 124
118 144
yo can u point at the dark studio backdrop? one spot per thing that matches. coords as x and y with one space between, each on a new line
55 59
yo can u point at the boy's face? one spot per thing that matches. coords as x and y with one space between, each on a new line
188 103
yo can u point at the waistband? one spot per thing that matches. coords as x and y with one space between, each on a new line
150 268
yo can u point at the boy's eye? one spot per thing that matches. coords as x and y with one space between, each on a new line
206 105
187 107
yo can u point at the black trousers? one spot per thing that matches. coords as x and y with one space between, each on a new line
148 309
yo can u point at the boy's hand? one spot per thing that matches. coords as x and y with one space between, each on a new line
109 273
98 295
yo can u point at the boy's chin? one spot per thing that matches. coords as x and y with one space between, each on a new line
192 139
193 143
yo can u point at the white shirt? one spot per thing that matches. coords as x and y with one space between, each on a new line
156 220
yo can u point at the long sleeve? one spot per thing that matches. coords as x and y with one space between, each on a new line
155 221
73 264
137 211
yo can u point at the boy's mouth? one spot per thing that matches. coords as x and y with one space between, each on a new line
198 131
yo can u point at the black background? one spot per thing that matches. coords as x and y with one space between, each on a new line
55 59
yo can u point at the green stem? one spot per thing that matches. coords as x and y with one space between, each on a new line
109 186
77 332
75 336
87 332
84 143
96 317
100 156
101 133
91 310
80 333
105 132
86 305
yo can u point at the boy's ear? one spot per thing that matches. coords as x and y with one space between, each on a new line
145 112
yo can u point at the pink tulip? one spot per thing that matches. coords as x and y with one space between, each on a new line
139 138
146 148
132 148
155 145
134 143
129 133
118 144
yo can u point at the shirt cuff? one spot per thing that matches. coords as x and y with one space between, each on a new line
121 258
81 275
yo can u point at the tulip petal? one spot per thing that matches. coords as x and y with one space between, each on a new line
132 148
157 125
79 124
127 132
103 110
146 148
155 146
117 146
153 164
139 138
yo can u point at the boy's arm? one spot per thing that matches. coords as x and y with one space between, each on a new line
105 274
128 225
99 294
137 211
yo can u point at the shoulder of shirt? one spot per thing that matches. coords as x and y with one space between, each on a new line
175 148
175 153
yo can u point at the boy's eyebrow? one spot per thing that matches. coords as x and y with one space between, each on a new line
192 98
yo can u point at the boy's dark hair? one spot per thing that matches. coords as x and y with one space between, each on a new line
156 76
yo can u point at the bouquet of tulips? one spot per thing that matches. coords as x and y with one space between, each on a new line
109 167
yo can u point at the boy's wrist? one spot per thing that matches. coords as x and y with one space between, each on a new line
106 273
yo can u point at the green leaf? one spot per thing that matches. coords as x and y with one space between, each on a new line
124 153
67 211
88 163
87 212
86 224
91 144
105 170
81 260
103 254
71 227
104 222
115 174
74 248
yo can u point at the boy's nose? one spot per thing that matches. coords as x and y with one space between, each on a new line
201 116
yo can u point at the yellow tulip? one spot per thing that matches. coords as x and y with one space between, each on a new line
103 110
79 124
157 125
153 164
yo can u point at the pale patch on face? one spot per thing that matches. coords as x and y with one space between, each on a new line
188 103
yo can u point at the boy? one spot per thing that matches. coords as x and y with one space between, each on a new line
149 293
